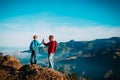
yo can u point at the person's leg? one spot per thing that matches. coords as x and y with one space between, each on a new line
50 59
35 60
31 58
34 55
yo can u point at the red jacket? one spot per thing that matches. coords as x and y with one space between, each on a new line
51 46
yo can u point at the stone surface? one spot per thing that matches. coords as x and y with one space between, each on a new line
11 62
12 69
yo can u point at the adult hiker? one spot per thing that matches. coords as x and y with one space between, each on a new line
34 47
51 49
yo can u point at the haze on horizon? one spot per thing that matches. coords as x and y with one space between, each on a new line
65 19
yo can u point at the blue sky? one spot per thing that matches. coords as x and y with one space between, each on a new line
66 19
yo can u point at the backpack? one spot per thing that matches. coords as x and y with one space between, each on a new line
55 45
32 45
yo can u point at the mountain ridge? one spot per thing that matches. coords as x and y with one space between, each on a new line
102 56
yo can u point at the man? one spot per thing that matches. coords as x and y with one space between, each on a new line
51 49
34 47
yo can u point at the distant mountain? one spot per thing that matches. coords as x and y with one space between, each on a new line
86 46
97 58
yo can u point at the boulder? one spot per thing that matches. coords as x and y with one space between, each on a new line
11 62
36 72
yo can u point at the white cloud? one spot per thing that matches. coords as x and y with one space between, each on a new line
19 31
61 33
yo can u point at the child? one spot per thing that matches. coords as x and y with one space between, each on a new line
34 47
51 49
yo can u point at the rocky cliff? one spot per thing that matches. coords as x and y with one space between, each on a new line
12 69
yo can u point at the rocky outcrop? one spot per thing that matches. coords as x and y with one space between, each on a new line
17 71
36 72
11 62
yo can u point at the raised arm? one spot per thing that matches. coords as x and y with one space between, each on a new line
39 44
46 44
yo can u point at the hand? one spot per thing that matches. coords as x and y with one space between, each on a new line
43 40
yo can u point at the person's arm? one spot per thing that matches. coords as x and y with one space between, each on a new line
39 44
46 44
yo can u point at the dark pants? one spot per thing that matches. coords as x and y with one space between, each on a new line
33 57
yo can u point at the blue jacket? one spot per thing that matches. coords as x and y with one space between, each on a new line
34 45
